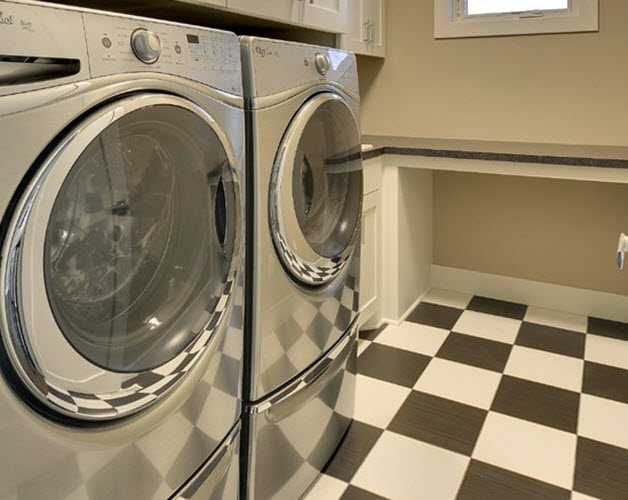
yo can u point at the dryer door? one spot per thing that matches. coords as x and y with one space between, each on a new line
119 261
316 191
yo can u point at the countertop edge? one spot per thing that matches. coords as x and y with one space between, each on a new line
492 156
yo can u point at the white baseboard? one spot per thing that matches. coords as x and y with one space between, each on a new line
390 321
561 298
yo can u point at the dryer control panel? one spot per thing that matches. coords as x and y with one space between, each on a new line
123 45
278 66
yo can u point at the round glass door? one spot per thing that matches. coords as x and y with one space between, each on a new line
136 216
316 191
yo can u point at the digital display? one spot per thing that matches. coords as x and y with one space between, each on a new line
192 38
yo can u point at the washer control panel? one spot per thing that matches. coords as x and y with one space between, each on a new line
123 45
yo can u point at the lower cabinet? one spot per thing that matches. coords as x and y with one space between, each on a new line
369 260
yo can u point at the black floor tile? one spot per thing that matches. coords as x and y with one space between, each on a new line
497 307
483 481
606 382
551 339
435 315
356 445
438 421
601 470
355 493
392 365
538 403
371 334
608 328
475 351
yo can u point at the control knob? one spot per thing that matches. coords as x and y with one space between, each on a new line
322 63
146 45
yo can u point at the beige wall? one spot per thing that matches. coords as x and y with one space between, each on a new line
570 89
555 231
567 88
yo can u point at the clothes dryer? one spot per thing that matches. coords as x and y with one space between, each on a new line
304 212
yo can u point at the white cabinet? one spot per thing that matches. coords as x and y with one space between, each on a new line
369 258
326 15
280 10
371 248
366 29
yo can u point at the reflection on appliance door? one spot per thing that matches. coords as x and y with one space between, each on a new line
285 460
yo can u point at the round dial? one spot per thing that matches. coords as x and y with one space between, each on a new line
146 45
322 63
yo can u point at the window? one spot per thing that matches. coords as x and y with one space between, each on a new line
472 18
478 7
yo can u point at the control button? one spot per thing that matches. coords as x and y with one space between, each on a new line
106 42
322 63
146 45
177 48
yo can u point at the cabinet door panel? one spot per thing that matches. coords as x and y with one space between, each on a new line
374 15
326 15
280 10
366 24
369 265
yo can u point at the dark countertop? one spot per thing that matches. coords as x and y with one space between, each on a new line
549 154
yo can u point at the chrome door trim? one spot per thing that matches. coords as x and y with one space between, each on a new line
217 464
281 97
103 86
114 395
324 369
307 265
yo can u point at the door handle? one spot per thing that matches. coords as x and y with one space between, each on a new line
319 381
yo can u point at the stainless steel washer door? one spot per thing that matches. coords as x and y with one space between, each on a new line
316 191
120 259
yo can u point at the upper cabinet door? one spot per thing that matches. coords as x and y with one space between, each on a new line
367 28
279 10
326 15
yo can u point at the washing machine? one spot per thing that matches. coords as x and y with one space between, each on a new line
122 258
304 171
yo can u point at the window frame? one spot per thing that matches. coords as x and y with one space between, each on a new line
451 21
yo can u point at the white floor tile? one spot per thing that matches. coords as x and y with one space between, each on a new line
606 351
326 488
413 337
377 401
402 468
557 319
531 449
362 345
463 383
603 420
581 496
488 326
545 368
448 298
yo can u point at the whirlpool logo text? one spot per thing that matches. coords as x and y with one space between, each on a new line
5 19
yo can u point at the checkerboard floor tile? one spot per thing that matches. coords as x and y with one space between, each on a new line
475 398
